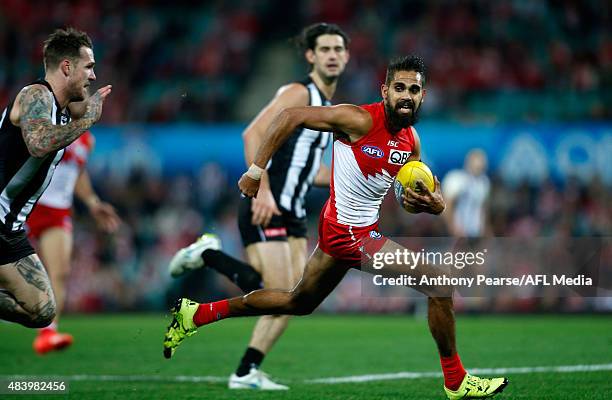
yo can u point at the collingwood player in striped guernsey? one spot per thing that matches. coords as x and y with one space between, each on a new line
44 118
273 225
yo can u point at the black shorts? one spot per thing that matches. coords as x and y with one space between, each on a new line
279 228
14 246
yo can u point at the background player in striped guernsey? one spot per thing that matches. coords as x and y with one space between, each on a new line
45 117
466 192
50 226
371 144
273 225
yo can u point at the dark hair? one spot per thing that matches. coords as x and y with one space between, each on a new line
307 39
405 63
64 43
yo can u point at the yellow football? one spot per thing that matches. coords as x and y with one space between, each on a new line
408 176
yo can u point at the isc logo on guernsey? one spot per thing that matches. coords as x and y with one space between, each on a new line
372 151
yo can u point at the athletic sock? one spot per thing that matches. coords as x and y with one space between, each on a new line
52 327
453 371
242 274
211 312
252 358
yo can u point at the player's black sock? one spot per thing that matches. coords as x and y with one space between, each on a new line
242 274
252 358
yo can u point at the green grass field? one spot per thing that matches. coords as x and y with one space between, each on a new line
120 357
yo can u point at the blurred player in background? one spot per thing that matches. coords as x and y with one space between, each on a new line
273 225
45 117
466 192
50 225
371 144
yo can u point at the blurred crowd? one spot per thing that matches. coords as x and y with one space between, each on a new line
571 210
193 61
161 215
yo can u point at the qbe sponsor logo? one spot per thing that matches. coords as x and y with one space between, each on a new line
399 157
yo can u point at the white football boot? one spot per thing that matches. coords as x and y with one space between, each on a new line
190 257
255 380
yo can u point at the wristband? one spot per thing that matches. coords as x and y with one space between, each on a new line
92 201
254 172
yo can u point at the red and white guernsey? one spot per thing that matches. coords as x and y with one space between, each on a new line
60 192
362 173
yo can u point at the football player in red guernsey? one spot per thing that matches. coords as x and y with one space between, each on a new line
371 144
50 227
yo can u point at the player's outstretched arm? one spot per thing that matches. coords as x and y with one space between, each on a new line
39 134
264 207
103 213
346 118
291 95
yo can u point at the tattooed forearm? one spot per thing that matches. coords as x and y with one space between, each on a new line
40 135
94 107
33 272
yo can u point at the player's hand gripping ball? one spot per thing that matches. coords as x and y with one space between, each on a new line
408 176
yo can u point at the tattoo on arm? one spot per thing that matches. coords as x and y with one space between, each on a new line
39 133
94 107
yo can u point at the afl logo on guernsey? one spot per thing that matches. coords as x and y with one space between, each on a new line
372 151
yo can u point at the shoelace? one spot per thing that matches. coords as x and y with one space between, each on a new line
480 383
178 325
173 325
262 374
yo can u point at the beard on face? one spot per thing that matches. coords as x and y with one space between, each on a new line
78 92
401 120
77 98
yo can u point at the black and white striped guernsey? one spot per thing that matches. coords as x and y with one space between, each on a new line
24 178
294 166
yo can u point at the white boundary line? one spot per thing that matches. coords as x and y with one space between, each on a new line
476 371
333 380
